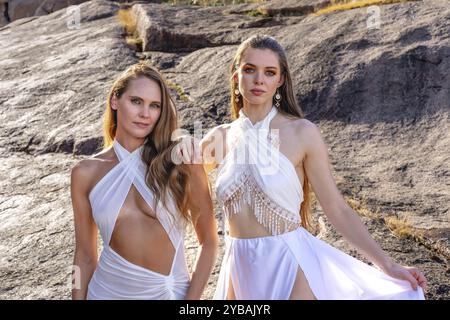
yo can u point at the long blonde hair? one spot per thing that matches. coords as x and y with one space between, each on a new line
288 105
162 174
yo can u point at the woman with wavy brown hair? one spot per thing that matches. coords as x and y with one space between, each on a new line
140 201
266 161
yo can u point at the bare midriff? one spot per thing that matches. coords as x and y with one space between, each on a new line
245 225
140 238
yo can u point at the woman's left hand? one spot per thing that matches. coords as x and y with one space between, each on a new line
187 151
411 274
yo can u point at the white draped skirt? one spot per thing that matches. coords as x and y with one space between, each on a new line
265 268
115 278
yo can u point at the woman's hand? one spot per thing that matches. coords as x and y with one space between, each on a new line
187 151
411 274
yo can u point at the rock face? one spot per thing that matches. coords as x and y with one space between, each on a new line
380 96
281 7
173 29
3 14
19 9
11 10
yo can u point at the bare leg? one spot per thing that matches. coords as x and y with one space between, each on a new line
301 289
230 293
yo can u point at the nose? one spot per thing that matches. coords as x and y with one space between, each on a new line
144 112
258 78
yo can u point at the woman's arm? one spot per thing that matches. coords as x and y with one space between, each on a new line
206 229
85 257
340 214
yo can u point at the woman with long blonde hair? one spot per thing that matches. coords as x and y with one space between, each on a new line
266 160
140 201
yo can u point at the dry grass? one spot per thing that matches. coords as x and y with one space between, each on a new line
127 20
361 209
260 12
179 89
341 5
400 227
129 24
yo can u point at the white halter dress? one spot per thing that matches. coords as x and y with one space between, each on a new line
256 174
115 277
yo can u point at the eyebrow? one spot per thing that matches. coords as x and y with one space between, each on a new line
252 65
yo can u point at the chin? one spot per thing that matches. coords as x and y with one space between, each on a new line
257 100
140 134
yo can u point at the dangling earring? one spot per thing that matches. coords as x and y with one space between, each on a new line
277 99
236 92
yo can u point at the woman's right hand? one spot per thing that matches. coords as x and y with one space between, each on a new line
410 274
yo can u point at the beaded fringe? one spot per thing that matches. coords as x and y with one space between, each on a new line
274 218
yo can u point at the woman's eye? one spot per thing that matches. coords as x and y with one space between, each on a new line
248 70
135 101
270 73
154 105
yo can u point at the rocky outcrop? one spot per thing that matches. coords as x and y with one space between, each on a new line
189 28
281 7
19 9
41 98
380 96
11 10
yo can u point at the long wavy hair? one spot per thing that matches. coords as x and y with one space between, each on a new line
163 175
288 105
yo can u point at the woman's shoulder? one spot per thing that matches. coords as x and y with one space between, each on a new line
87 169
302 129
222 128
299 125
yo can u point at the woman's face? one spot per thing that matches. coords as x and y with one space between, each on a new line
259 75
139 107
